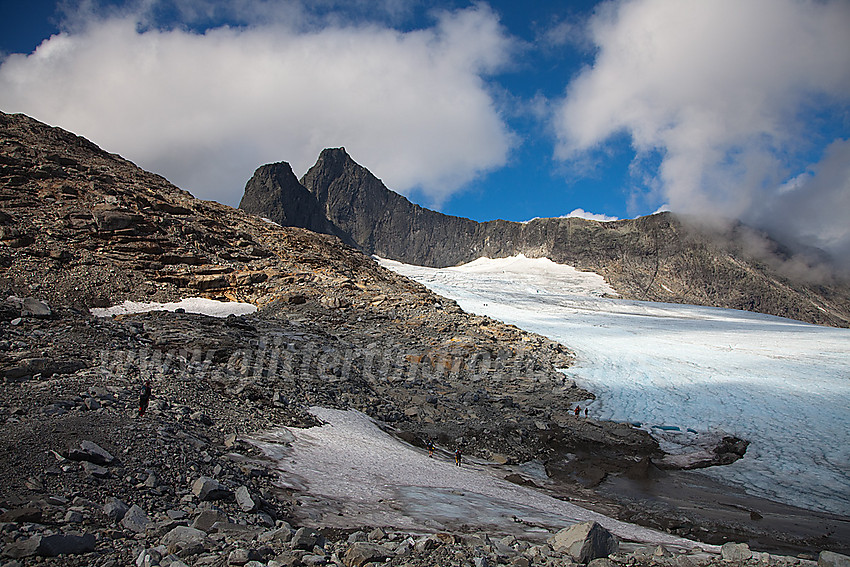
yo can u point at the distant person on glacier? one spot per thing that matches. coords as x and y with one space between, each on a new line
457 457
430 445
577 410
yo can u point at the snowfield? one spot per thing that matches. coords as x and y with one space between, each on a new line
358 475
199 305
685 372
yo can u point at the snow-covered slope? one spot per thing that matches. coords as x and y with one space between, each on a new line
781 384
358 475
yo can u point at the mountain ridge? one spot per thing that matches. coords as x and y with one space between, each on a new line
662 257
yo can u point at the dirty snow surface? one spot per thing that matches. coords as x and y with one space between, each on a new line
200 305
358 475
683 371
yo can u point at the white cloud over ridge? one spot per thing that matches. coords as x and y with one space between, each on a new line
206 109
723 92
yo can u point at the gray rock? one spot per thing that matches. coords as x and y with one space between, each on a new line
52 545
115 509
32 307
304 538
361 553
135 519
97 471
207 519
207 488
182 538
242 556
73 517
735 552
20 515
91 452
244 500
281 535
236 531
585 542
832 559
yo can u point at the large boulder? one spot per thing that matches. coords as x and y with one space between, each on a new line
135 520
183 537
832 559
735 552
360 553
206 519
52 545
206 488
244 500
91 452
585 542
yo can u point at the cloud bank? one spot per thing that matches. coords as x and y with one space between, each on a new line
723 100
205 108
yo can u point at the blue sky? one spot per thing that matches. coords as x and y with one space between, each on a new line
735 108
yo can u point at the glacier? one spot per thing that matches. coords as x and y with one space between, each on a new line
683 371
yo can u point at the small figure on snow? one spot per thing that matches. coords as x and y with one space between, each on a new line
585 412
457 457
577 410
430 445
144 397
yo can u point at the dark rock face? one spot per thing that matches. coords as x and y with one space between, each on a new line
662 257
276 192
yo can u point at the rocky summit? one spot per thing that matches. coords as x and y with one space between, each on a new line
88 477
662 257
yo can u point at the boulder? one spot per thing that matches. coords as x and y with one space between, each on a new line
207 488
52 545
832 559
91 452
585 542
97 471
115 509
21 515
182 537
135 520
34 308
207 519
361 553
280 535
243 498
304 538
735 552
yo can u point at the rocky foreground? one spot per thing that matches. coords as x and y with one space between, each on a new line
86 480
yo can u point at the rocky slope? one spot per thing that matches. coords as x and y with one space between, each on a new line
661 257
84 480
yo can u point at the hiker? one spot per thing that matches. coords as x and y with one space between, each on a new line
144 397
577 410
585 412
430 445
457 457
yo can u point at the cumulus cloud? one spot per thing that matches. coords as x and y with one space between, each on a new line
721 96
205 108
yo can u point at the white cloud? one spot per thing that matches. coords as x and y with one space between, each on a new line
723 91
206 109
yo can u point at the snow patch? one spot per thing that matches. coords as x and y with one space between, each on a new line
200 305
535 275
354 474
